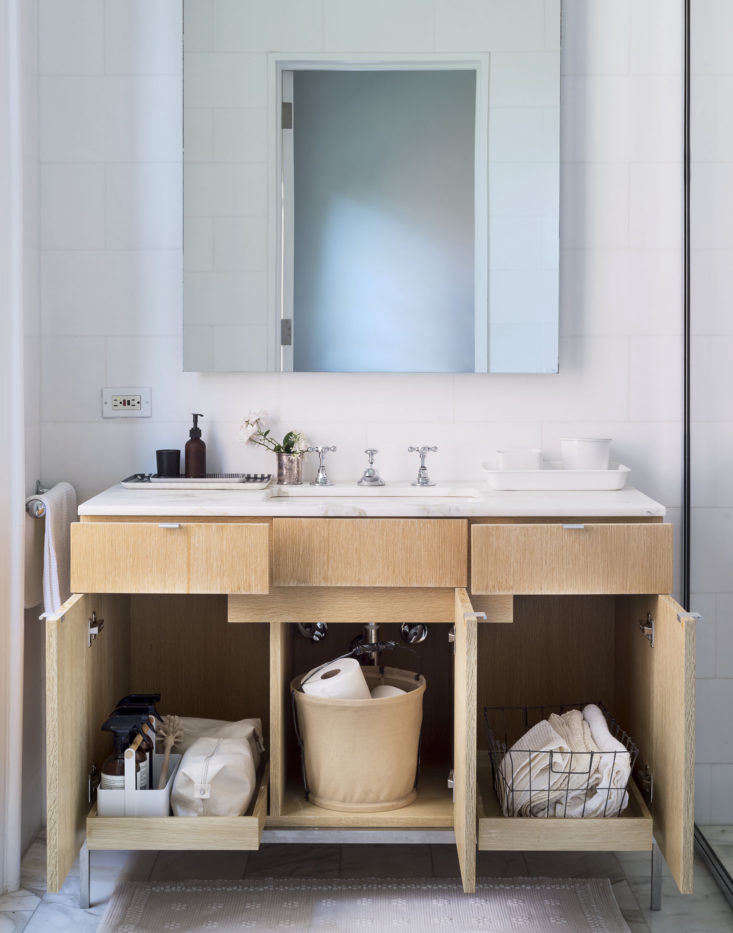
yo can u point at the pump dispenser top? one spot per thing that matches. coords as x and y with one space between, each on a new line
195 451
113 769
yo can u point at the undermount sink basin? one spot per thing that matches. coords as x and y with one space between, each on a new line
390 491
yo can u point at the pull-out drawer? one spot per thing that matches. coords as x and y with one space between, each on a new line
170 557
425 552
535 559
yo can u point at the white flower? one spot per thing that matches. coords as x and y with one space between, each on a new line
251 426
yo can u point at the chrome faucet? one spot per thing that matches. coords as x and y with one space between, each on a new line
370 476
321 476
422 474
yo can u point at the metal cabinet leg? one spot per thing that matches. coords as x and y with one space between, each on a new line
656 881
84 879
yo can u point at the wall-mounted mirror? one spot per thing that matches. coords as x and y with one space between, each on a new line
368 213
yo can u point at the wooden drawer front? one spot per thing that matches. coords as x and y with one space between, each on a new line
370 552
142 557
553 559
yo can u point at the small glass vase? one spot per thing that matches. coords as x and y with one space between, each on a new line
289 469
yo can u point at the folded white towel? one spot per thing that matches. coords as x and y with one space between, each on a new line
60 503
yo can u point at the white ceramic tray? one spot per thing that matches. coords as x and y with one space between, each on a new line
251 482
553 478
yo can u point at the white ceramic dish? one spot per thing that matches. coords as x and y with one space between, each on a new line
518 458
585 453
555 479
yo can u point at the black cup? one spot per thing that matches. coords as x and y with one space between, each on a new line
169 462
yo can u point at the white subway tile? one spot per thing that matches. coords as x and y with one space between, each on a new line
657 37
225 79
655 219
198 244
515 242
478 443
655 379
525 79
143 205
143 118
378 26
72 198
655 292
721 786
702 793
705 634
713 27
198 134
592 384
724 632
596 36
712 539
198 26
240 134
198 348
101 293
594 206
524 188
72 377
143 37
224 189
489 25
596 114
529 134
71 37
656 121
553 24
712 118
240 243
712 388
712 476
264 26
518 298
71 119
711 225
714 734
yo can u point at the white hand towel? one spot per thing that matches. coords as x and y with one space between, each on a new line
60 503
614 765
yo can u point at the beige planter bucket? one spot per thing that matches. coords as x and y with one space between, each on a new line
361 756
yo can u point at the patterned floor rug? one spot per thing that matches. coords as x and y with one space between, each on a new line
530 905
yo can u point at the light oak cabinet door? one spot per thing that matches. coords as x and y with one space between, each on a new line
422 552
587 559
655 700
465 714
170 557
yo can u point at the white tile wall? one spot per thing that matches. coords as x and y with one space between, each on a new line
111 232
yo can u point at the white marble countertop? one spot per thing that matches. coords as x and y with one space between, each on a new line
628 502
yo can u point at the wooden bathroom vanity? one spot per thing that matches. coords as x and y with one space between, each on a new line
532 599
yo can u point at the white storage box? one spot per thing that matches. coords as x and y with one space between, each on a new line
132 802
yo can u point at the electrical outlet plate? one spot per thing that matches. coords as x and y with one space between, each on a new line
126 402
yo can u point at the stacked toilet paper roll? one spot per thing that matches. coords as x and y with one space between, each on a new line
386 690
340 680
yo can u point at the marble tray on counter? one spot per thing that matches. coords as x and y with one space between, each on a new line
250 482
556 479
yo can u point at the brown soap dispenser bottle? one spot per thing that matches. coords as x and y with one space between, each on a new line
195 451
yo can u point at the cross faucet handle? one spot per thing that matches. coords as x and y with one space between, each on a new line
371 452
422 474
321 476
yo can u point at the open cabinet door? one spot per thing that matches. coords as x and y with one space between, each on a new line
655 698
464 738
83 682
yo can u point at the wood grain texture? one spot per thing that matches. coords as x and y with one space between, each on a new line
655 702
183 647
175 832
143 557
551 559
630 832
280 667
83 683
394 552
464 738
433 809
361 604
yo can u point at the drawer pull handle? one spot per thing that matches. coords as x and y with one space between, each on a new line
574 527
169 525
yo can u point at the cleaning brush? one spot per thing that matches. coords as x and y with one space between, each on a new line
171 731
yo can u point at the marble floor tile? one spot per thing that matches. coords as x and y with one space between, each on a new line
12 921
574 865
33 867
19 900
294 861
501 865
199 866
386 861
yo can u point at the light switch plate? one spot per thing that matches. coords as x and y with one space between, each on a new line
126 402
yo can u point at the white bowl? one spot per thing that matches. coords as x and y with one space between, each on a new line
585 453
519 458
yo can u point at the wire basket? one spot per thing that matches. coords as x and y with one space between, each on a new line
552 783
